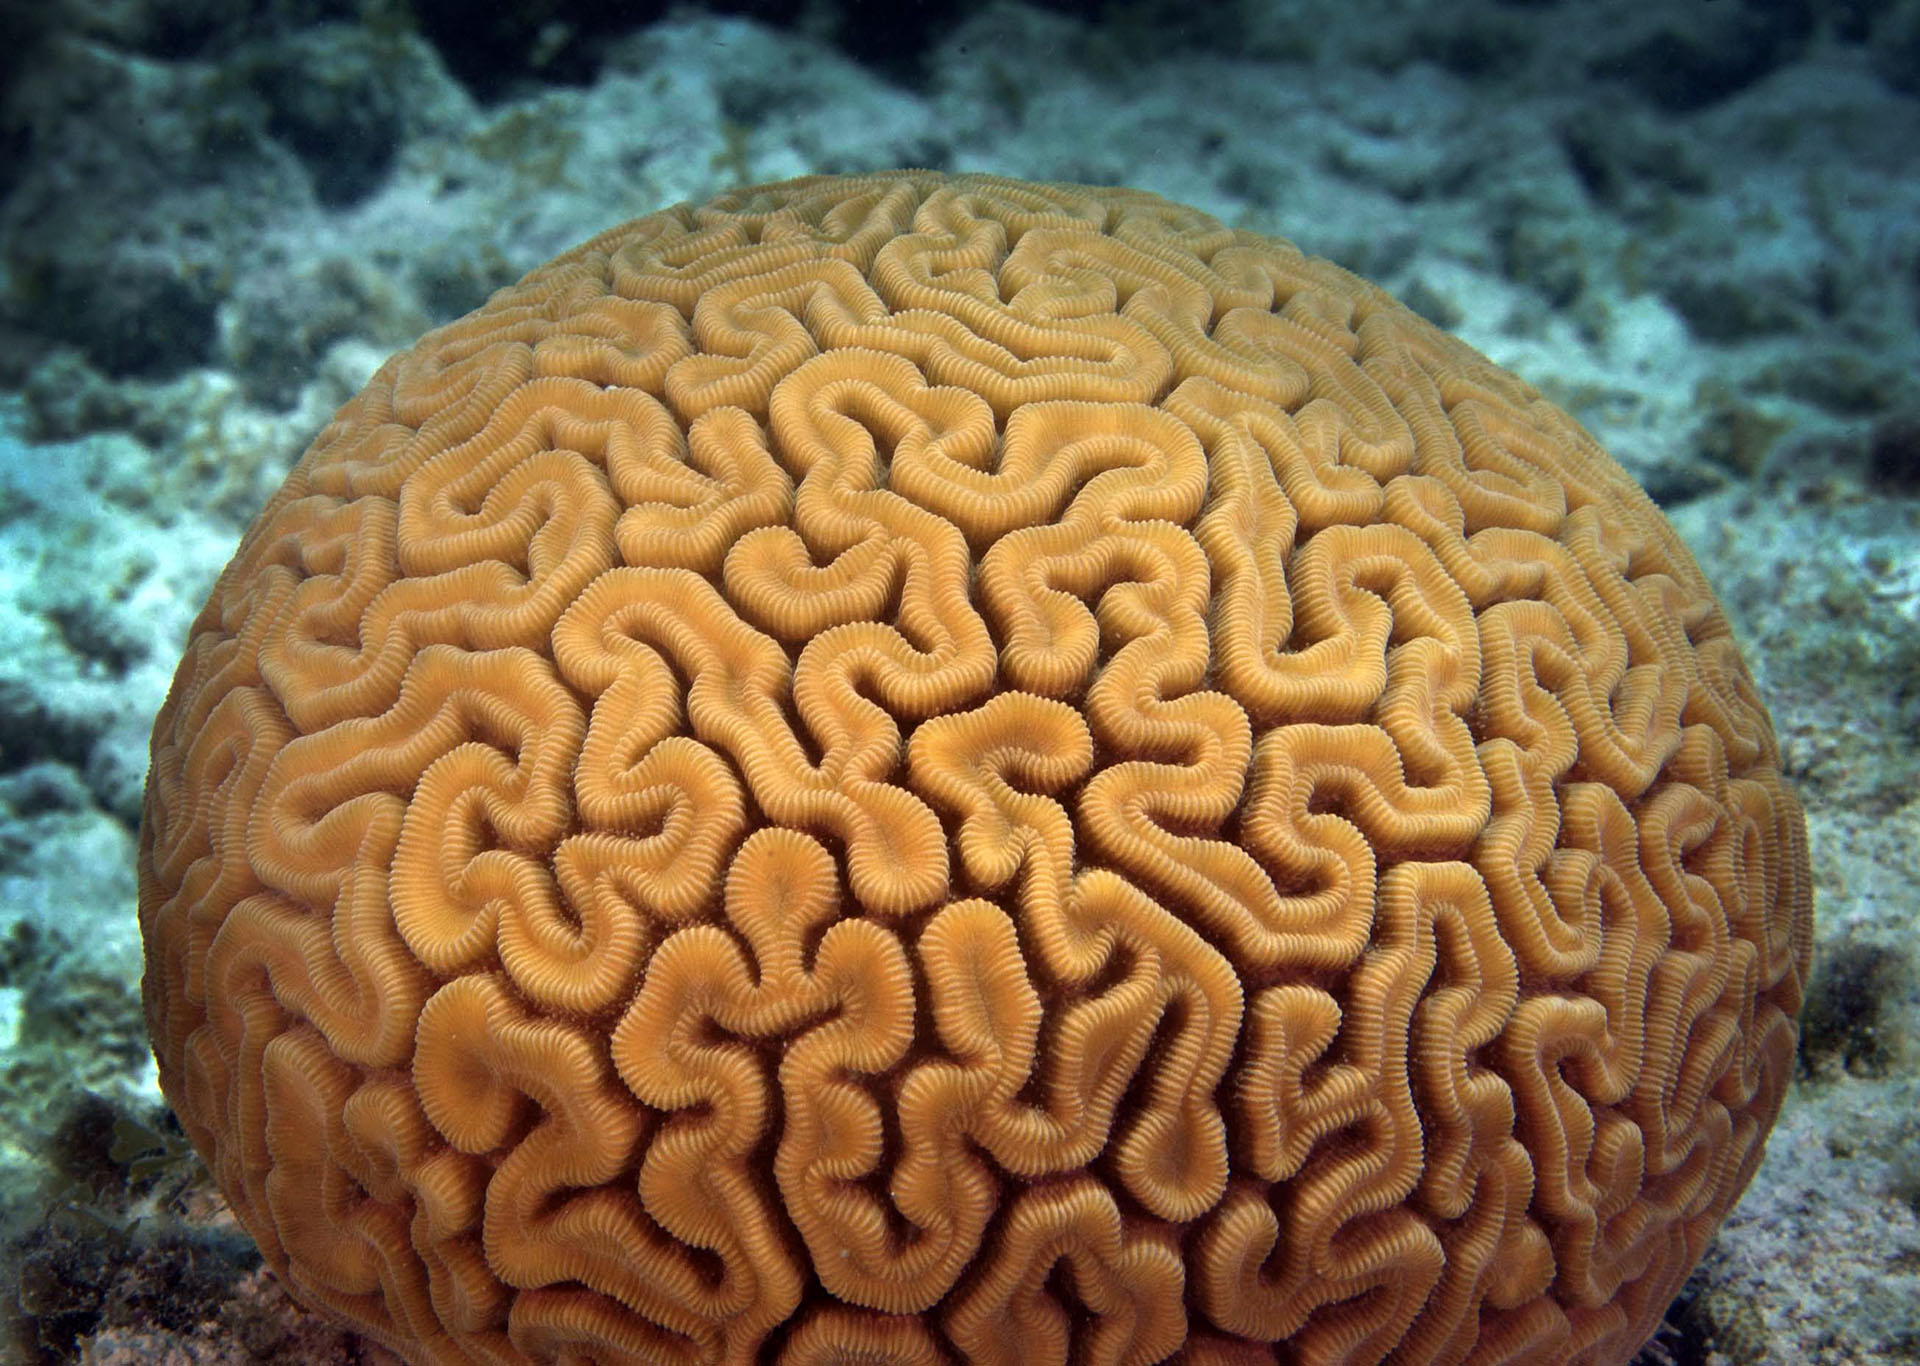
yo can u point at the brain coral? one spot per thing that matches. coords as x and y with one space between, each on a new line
912 769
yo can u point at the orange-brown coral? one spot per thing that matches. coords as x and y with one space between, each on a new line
914 768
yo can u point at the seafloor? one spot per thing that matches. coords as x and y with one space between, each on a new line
1696 226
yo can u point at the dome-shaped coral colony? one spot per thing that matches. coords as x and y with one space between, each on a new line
912 768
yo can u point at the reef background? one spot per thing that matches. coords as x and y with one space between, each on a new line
1696 227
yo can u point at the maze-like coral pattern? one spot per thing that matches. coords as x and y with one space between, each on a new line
912 769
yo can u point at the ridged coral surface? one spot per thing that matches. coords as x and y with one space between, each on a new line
911 768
